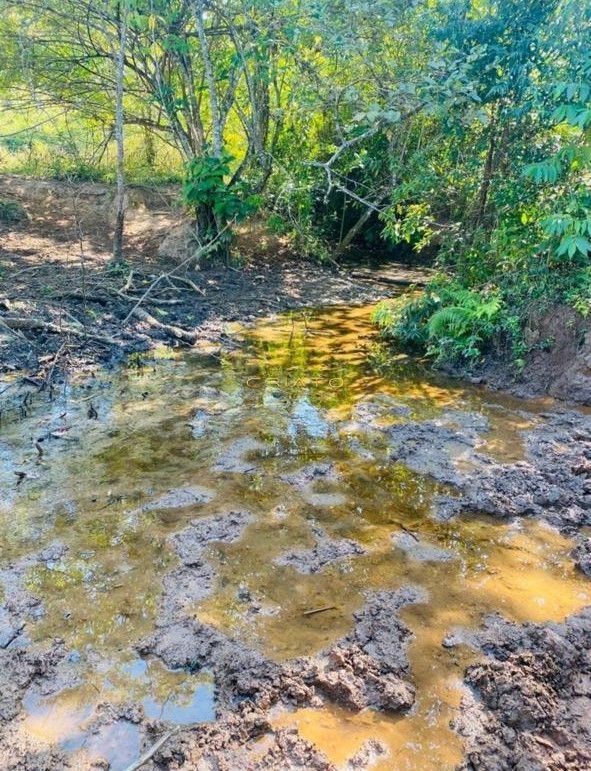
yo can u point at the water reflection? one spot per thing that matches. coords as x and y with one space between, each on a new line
304 389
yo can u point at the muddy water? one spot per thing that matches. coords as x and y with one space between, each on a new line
295 392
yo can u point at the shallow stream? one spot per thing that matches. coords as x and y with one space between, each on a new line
307 387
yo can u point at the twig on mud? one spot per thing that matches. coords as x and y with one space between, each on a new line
153 750
151 300
176 332
406 530
49 376
199 253
323 609
16 323
190 283
127 286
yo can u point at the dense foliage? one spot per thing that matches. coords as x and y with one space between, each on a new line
460 129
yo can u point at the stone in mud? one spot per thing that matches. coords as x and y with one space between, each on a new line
530 700
240 457
369 667
582 556
180 498
325 551
419 550
307 479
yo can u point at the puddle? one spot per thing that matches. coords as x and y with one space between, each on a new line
189 437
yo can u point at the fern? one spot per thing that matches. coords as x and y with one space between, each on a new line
448 321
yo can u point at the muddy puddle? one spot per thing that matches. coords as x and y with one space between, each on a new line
289 437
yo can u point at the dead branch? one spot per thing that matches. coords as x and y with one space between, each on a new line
19 324
202 251
323 609
153 750
151 300
191 284
177 332
127 286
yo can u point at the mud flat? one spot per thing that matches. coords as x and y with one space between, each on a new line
297 557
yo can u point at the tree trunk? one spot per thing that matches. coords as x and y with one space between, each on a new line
487 174
208 229
119 88
356 228
216 125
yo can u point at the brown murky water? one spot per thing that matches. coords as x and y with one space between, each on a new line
293 388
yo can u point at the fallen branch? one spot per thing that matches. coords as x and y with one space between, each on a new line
201 252
152 751
190 283
151 300
18 324
176 332
406 277
127 286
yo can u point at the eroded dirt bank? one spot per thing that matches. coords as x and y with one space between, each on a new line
558 361
300 557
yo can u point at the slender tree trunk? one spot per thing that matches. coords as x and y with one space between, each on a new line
119 138
216 124
487 173
355 229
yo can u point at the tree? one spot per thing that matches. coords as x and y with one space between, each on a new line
122 13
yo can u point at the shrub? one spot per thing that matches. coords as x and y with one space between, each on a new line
447 321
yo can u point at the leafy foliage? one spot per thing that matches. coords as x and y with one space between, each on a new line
205 186
460 129
450 322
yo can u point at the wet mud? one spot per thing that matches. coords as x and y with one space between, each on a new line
301 556
530 700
